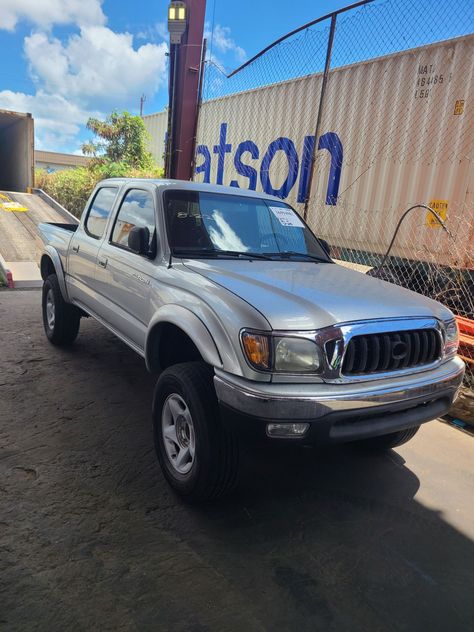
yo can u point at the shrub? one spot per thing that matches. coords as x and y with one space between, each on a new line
72 187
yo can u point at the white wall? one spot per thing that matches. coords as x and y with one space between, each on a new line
156 125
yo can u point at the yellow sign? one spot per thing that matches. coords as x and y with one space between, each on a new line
441 207
459 107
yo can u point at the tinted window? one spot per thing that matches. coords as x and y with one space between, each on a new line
137 209
200 221
100 210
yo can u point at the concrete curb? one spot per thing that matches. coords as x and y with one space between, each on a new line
69 217
6 277
20 274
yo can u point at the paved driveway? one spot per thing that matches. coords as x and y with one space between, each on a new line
91 538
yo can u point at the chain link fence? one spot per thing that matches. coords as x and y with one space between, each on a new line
385 88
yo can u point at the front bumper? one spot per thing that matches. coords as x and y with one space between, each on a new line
343 412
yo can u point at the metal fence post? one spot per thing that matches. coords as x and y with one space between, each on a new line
327 66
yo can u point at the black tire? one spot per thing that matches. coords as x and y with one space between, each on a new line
388 441
214 467
64 327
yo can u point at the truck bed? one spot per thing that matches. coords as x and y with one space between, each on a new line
69 227
58 235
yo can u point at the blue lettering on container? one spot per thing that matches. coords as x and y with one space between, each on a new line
329 141
221 150
288 147
332 143
205 166
308 148
246 170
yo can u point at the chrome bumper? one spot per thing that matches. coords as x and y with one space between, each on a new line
312 402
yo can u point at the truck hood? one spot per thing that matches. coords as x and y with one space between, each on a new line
306 295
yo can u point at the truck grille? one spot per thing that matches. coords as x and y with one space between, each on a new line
378 353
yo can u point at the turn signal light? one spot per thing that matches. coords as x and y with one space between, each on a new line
257 350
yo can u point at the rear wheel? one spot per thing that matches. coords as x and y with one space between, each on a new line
197 452
388 441
60 319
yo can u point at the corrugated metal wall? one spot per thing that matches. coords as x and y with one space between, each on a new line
156 125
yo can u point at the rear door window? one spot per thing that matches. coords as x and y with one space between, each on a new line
137 209
99 211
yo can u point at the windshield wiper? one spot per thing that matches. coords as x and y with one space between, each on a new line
247 255
211 252
287 254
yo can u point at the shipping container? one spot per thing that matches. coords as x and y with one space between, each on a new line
396 131
16 151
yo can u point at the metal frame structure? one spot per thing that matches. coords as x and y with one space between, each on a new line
184 90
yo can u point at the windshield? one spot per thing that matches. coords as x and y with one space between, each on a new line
202 224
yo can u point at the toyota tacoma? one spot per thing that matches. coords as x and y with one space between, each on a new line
250 326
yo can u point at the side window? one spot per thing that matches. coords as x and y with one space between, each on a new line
137 209
99 211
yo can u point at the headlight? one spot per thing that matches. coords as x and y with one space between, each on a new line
281 354
296 355
451 339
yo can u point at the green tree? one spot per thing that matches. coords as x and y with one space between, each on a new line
122 139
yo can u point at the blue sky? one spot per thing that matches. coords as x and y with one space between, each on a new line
65 60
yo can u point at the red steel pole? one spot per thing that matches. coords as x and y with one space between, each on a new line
185 98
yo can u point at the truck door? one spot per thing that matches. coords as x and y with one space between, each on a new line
84 247
124 277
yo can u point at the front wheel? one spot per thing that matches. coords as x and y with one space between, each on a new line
60 319
388 441
197 452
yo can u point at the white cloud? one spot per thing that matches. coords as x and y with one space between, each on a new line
57 120
162 30
220 39
97 66
88 73
45 13
159 30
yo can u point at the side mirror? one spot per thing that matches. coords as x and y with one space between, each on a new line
138 240
325 246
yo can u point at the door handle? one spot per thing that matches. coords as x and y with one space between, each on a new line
75 248
103 263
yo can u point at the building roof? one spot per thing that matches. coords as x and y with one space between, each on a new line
52 157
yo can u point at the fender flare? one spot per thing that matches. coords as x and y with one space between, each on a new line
52 254
191 325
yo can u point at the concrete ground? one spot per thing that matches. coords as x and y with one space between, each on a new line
91 538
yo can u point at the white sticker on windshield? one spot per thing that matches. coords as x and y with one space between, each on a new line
286 216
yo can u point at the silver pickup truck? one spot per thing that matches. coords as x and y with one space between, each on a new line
251 327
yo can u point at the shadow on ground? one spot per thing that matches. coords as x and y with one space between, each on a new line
92 539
